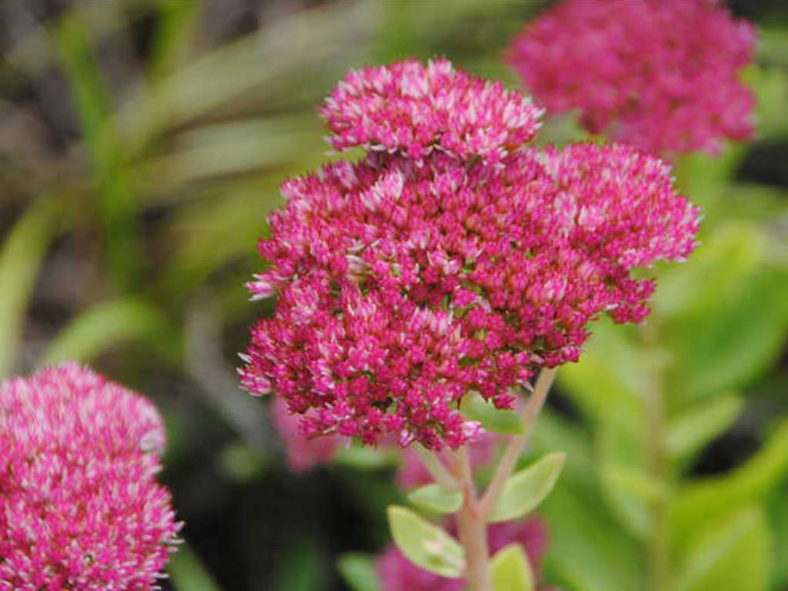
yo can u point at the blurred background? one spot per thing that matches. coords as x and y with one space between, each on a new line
141 148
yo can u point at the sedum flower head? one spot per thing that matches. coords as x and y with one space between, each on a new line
403 284
660 74
79 504
411 108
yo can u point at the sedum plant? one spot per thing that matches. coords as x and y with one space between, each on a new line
426 289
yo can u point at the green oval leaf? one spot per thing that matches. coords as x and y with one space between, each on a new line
359 572
527 488
435 498
511 570
494 419
21 255
425 544
365 457
104 325
690 431
732 554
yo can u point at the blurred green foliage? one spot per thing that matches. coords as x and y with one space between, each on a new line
142 146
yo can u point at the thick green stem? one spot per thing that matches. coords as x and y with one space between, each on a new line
471 527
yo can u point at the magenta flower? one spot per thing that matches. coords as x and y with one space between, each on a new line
411 108
403 284
79 504
662 75
397 573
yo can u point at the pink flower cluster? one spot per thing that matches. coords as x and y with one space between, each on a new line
411 108
397 573
79 504
402 284
659 74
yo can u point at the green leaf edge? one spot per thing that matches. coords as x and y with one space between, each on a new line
398 516
553 462
433 497
511 555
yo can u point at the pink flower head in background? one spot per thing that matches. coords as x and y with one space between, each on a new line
411 108
662 75
402 284
397 573
301 454
79 504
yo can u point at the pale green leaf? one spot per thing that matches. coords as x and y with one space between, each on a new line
116 201
358 571
700 503
714 272
733 554
425 544
20 258
589 550
435 498
365 457
623 480
636 482
607 380
778 518
688 432
493 419
105 325
188 573
727 343
511 570
526 489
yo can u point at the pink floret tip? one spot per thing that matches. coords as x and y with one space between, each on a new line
80 507
413 109
661 75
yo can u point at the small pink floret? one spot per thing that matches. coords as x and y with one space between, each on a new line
80 507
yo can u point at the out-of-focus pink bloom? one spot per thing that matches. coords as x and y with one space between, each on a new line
403 284
660 74
301 453
80 507
397 573
412 109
